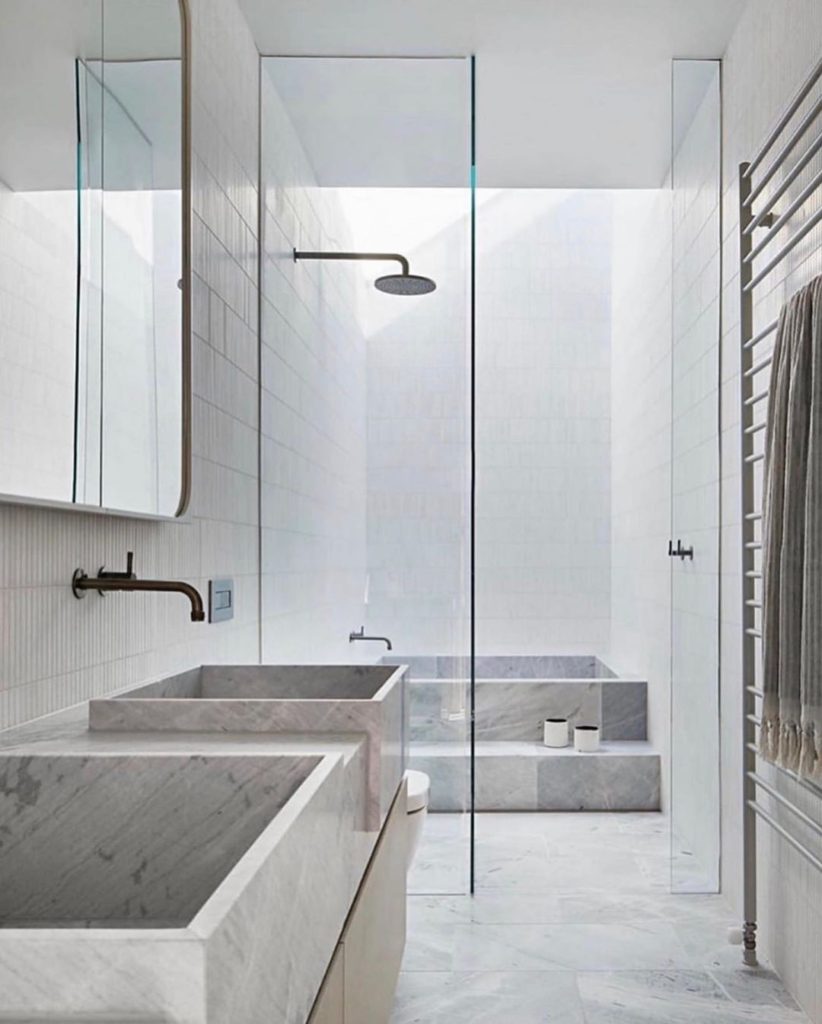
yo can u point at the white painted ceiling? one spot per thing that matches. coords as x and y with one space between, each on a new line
570 93
379 123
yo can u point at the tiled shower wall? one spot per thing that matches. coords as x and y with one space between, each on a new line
55 650
313 411
418 433
543 422
771 52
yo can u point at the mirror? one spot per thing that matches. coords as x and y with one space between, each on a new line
94 343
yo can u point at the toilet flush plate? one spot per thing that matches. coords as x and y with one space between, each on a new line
220 600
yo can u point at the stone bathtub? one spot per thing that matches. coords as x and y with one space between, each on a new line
514 770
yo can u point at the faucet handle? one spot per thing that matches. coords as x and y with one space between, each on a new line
129 574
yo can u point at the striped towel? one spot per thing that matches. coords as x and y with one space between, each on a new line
791 733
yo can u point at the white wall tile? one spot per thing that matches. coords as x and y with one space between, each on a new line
313 405
418 434
543 422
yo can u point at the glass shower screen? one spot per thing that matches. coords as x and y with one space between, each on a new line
695 476
366 396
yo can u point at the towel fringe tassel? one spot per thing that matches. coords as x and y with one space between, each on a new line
790 745
810 758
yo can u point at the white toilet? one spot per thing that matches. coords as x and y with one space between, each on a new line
419 786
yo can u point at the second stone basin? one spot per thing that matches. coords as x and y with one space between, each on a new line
278 698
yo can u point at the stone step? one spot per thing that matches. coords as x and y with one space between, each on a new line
521 776
514 709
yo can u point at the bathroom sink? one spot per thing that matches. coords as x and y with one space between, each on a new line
278 698
130 842
148 886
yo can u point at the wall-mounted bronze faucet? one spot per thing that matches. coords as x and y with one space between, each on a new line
104 581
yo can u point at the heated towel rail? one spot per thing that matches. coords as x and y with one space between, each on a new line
780 205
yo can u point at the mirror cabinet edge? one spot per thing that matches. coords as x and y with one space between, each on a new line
186 340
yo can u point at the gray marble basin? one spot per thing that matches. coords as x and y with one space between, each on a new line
130 842
278 698
164 886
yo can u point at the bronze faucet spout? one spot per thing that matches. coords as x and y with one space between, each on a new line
81 582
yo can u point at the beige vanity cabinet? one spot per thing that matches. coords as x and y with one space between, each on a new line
328 1009
360 983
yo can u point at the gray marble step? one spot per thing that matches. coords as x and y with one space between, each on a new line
514 709
521 776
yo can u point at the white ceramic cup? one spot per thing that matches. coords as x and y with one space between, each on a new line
555 732
586 738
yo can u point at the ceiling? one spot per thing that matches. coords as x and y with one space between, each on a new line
569 93
379 123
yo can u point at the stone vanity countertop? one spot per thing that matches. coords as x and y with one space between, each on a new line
67 732
292 924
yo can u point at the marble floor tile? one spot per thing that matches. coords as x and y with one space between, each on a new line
446 873
581 831
518 862
443 858
562 874
597 947
429 947
443 911
496 824
496 907
669 997
488 997
573 920
447 826
484 908
755 987
709 914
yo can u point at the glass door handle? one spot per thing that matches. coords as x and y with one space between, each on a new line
679 551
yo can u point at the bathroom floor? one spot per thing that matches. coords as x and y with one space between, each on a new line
572 922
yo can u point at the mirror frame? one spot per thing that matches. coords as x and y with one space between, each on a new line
185 341
186 318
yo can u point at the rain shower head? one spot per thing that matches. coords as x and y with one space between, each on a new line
404 283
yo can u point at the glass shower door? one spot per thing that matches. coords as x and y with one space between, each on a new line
695 478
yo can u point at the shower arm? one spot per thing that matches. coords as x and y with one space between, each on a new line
364 256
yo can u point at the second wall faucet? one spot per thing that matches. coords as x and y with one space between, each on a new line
360 635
